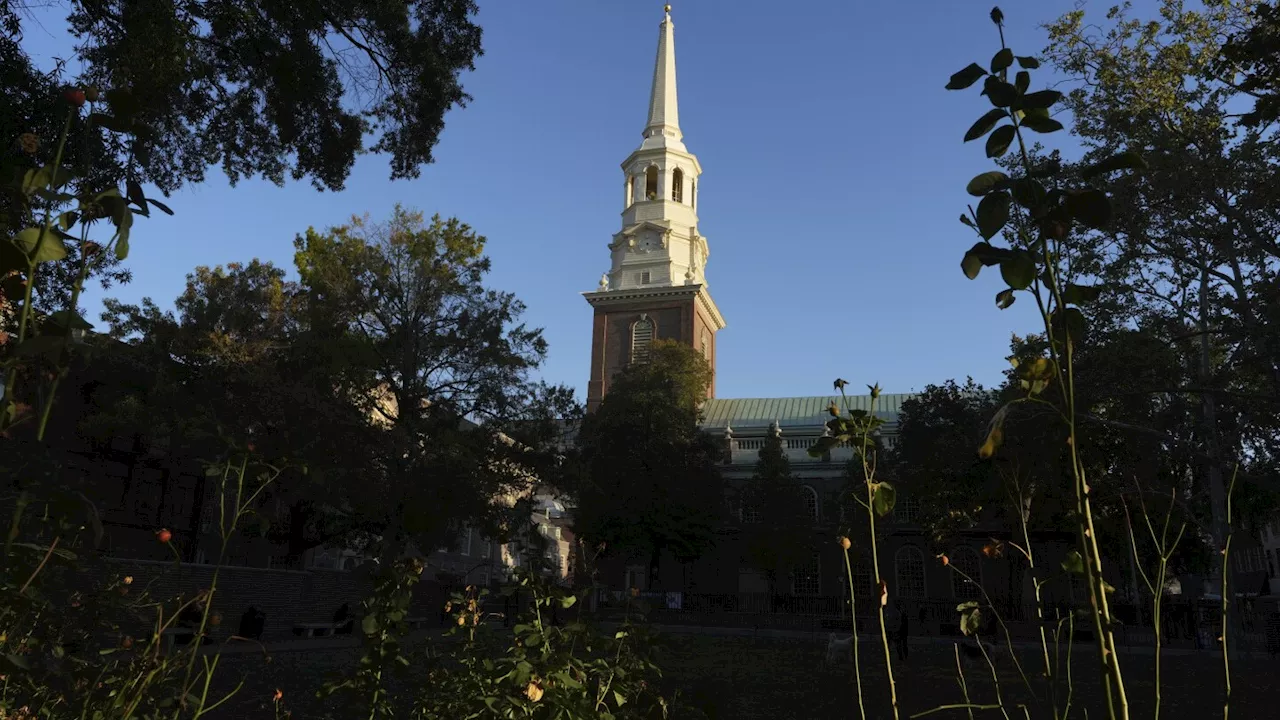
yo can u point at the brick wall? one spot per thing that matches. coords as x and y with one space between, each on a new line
286 596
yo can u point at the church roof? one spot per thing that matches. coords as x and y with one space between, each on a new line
741 413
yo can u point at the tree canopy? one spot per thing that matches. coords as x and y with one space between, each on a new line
650 485
387 369
777 528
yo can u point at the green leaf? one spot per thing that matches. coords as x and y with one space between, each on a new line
68 219
122 247
1019 271
1001 60
965 219
999 141
46 249
987 182
64 318
981 255
1004 299
1080 294
1001 93
1073 563
985 123
1127 160
823 446
163 208
134 192
995 434
111 122
966 77
17 662
1041 124
1091 207
567 601
618 698
883 498
1023 81
1040 99
968 604
971 621
993 213
1028 193
1071 322
1027 62
369 624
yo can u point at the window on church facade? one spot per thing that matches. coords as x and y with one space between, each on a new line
965 560
641 339
651 183
909 569
810 498
631 190
646 278
677 185
907 509
706 346
749 511
807 579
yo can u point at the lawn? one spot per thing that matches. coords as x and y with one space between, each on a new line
748 678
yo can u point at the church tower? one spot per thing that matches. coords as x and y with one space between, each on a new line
656 285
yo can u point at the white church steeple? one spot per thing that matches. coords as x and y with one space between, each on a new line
656 286
663 129
659 244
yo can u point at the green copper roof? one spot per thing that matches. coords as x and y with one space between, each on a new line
756 412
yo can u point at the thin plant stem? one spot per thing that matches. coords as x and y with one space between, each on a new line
868 474
995 678
853 620
1064 373
1005 628
1226 601
964 687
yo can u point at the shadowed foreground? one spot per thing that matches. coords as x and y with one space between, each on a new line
745 677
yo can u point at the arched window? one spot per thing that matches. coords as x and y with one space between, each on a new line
807 580
631 190
909 569
641 339
677 185
706 346
651 183
965 560
864 584
810 498
848 507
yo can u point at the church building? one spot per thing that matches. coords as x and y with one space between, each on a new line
657 288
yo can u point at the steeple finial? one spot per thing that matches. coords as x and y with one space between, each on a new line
663 128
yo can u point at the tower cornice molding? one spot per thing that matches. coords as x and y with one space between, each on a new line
609 298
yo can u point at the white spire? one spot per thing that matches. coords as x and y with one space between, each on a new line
663 129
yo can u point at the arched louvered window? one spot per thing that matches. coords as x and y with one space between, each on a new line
641 339
677 185
631 190
909 568
810 498
651 183
965 560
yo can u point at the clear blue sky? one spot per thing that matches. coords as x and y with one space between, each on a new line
833 177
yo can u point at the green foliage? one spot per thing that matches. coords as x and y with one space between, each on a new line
383 624
286 95
572 671
651 484
777 528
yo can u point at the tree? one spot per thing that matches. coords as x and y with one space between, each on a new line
388 369
266 89
777 526
1194 257
650 483
1251 61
